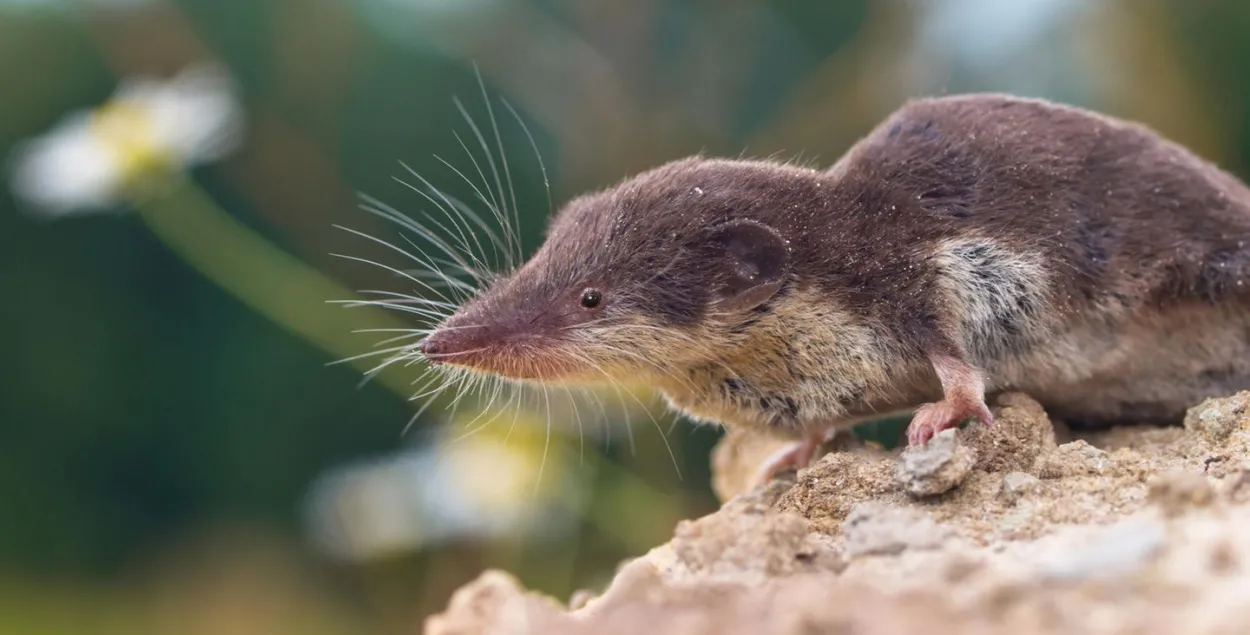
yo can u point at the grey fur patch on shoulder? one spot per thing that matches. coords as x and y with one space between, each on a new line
996 296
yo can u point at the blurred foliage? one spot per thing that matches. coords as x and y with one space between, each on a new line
160 437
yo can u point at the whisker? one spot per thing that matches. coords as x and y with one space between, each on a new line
459 234
503 156
479 277
546 441
490 162
446 208
404 298
409 335
425 406
464 208
603 418
516 412
410 332
620 392
369 354
386 212
424 232
511 249
581 435
397 272
372 373
384 304
538 155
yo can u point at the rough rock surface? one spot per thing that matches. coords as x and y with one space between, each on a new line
1131 530
938 466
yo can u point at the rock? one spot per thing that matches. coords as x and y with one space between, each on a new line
1076 458
847 548
747 543
827 491
765 495
799 605
938 466
492 604
1021 432
1215 419
1016 485
581 598
739 456
877 529
1115 551
1177 491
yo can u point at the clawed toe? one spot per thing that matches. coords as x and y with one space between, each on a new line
931 419
964 392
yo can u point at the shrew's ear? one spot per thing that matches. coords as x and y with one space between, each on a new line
755 261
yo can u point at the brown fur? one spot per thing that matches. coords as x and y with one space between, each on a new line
1077 257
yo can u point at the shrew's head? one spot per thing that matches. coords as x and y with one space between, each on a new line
656 272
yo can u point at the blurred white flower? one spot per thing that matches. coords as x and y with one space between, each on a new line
92 160
485 485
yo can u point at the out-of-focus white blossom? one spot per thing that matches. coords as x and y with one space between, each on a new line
92 160
485 485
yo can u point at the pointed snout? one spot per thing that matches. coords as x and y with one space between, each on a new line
502 336
445 345
428 346
462 344
484 350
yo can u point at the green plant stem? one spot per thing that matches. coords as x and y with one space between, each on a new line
264 277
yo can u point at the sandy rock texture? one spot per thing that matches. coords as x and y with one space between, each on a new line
1018 527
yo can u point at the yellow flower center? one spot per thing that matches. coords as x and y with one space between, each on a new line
127 129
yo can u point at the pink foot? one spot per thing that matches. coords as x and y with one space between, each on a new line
793 456
932 418
965 398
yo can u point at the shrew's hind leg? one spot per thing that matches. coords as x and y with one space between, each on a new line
963 397
794 455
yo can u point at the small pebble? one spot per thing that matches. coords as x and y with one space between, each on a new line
1076 458
938 466
1016 485
877 529
1215 419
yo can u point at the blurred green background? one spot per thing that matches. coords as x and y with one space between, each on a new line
176 461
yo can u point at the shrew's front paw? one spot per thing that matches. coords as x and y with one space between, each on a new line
932 418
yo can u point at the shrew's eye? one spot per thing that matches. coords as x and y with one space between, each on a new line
591 298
